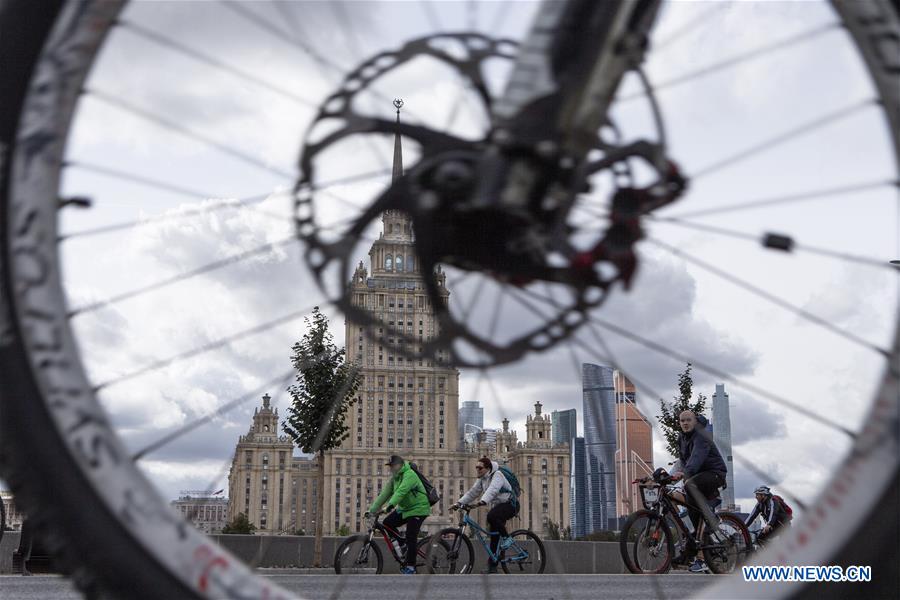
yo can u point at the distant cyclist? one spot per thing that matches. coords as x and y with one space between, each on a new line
775 513
406 497
703 469
495 490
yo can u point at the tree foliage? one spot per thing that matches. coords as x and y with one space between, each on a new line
240 524
343 530
669 411
324 389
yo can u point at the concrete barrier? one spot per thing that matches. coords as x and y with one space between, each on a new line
288 551
8 545
297 551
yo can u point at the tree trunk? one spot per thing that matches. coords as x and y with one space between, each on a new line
320 511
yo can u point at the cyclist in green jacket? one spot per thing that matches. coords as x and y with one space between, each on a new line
406 496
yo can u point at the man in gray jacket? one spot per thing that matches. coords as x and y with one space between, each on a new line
496 491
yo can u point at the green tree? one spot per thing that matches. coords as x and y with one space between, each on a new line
669 411
240 524
343 530
552 530
565 533
324 390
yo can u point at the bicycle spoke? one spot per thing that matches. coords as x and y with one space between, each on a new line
853 258
787 199
208 347
431 15
783 137
688 27
176 127
737 59
138 179
281 380
180 48
773 299
317 58
638 383
666 351
231 260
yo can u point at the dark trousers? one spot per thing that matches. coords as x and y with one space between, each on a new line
497 518
413 524
701 487
777 528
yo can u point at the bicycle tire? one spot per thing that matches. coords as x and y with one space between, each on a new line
100 550
439 540
629 550
742 555
109 548
373 547
536 540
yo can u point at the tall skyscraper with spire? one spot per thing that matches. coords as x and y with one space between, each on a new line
722 438
404 406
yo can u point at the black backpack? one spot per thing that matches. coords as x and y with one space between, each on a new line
433 496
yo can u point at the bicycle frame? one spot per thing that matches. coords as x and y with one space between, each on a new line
389 535
480 533
666 506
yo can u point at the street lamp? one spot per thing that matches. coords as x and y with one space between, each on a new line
896 263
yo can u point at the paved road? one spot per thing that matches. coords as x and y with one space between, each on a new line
431 587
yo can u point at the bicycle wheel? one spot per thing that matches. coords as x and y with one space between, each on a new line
422 554
357 556
526 555
113 530
646 543
735 538
450 553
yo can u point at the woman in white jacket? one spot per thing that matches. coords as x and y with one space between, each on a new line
496 491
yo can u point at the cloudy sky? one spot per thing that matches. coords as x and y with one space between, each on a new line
284 58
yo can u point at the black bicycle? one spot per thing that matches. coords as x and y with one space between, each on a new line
649 545
359 554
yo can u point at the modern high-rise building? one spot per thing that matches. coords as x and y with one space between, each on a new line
470 413
634 446
721 423
599 410
565 425
577 488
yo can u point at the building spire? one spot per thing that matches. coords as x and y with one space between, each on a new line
398 150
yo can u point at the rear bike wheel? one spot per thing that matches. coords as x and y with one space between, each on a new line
357 555
450 553
526 555
646 543
736 545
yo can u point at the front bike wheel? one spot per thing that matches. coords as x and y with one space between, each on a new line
733 547
450 553
525 556
646 543
357 555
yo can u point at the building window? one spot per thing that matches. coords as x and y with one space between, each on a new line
388 262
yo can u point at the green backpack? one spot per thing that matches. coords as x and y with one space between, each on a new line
514 484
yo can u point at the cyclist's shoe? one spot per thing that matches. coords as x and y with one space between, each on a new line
698 566
491 570
506 543
408 570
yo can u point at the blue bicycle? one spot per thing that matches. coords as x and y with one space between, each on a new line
451 551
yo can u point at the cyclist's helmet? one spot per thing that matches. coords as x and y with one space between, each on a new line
660 474
764 490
